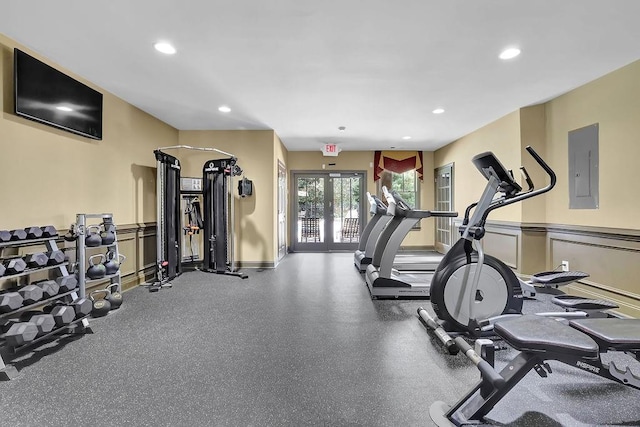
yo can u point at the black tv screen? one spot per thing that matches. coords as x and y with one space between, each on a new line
46 95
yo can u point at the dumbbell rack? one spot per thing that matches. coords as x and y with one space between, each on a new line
80 325
81 253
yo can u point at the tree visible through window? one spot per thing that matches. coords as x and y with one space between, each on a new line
406 184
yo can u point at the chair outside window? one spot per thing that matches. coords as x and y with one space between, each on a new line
350 229
310 230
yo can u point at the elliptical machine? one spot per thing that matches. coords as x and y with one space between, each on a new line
468 284
471 291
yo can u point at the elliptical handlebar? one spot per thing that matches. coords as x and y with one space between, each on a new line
531 192
527 179
545 166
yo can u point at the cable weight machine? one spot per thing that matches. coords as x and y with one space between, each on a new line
218 216
168 250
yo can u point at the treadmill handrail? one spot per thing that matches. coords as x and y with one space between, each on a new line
416 213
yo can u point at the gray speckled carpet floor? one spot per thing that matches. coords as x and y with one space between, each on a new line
299 345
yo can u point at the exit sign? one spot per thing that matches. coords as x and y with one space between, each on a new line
330 150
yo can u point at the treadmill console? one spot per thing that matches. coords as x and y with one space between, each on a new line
376 206
487 162
400 202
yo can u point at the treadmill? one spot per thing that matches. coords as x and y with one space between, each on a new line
382 279
405 261
379 219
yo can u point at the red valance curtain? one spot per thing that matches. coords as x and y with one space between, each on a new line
398 162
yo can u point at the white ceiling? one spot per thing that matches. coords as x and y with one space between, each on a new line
304 68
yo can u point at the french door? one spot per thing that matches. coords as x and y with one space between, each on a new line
445 236
282 210
328 211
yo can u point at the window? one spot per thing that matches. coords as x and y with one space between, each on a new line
406 184
400 171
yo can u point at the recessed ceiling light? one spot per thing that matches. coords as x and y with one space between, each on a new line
165 47
510 53
64 108
224 109
406 137
438 111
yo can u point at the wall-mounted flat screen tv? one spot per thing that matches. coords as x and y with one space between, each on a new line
46 95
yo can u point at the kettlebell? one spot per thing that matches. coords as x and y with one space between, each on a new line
108 236
96 270
100 306
112 264
114 297
93 238
71 234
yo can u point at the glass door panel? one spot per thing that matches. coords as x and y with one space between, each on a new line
310 217
444 202
282 210
347 210
328 211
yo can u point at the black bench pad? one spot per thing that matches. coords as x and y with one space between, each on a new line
544 334
617 334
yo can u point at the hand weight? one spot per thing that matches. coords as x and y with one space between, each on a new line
93 238
71 234
108 236
100 306
112 264
114 297
96 270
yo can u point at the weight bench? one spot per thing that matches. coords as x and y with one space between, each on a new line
540 339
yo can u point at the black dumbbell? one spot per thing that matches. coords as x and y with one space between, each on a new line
67 283
49 288
4 327
55 257
36 259
31 294
18 234
10 301
44 322
49 231
20 333
15 266
33 232
63 314
82 307
5 236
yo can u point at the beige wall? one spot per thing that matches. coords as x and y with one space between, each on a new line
532 132
502 137
255 216
49 175
613 101
363 161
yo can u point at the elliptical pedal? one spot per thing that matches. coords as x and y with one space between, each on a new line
557 278
577 303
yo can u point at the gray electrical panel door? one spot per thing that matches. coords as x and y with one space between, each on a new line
583 168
